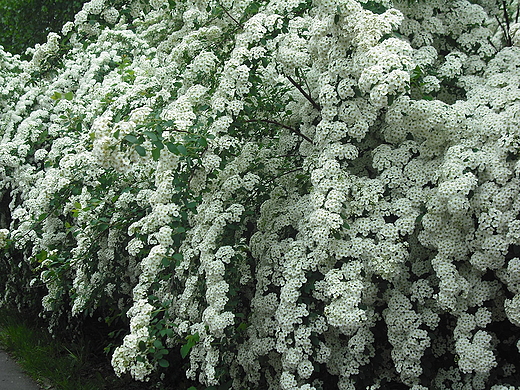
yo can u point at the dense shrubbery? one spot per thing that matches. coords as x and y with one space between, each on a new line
285 194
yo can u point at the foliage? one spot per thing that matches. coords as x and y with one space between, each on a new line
272 194
25 23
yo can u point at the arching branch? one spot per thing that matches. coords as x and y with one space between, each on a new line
302 91
291 129
230 16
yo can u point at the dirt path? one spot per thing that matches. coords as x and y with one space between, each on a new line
12 377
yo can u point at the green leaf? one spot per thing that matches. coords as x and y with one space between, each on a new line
252 8
131 138
374 7
182 150
185 350
56 96
41 256
69 96
151 135
157 344
172 148
156 154
140 150
164 363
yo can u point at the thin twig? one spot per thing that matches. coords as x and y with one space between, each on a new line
503 29
271 180
231 16
307 96
506 15
283 174
286 155
508 24
307 85
291 129
492 44
517 12
268 182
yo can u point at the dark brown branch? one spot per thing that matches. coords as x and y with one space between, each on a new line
307 96
231 16
288 172
271 180
503 30
286 155
291 129
508 24
517 12
492 44
506 15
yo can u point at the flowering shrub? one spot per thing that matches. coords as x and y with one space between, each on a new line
285 194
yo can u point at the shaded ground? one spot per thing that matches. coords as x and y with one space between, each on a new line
12 377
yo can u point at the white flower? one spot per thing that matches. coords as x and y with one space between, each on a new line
4 235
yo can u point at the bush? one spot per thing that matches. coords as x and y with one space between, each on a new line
273 194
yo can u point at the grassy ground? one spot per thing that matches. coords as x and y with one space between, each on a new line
55 365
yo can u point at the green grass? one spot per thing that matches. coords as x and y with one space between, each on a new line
53 364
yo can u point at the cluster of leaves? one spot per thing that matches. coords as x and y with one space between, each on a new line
44 15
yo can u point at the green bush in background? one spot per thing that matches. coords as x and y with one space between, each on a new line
24 23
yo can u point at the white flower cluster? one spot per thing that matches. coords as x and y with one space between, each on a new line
343 311
385 70
409 341
473 347
125 357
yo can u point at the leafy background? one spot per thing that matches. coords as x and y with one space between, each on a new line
24 23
